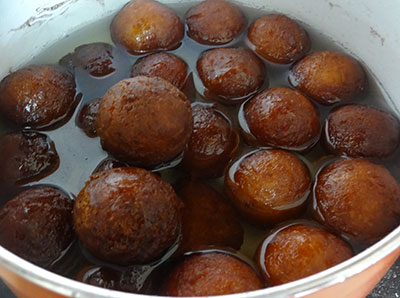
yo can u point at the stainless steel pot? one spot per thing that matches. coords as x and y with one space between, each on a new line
371 29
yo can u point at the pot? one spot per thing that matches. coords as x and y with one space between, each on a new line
369 28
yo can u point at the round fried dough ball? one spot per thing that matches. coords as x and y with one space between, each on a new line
298 251
207 219
358 199
283 118
212 143
214 22
328 77
127 216
210 274
86 118
279 39
143 26
166 66
362 131
37 224
26 156
144 121
230 75
268 186
96 58
37 96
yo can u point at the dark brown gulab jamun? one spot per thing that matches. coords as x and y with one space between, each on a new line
37 96
210 274
358 199
297 251
127 216
95 58
144 121
212 143
214 22
87 118
279 39
37 224
268 186
230 75
282 117
208 220
143 26
26 156
362 131
166 66
328 77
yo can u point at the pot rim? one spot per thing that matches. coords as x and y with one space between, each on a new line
337 274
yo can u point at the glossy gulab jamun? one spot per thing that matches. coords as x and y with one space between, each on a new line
163 65
362 131
143 26
37 96
127 216
282 117
357 199
87 118
214 22
95 58
144 121
268 186
210 274
230 75
212 143
279 39
297 251
26 156
37 224
328 77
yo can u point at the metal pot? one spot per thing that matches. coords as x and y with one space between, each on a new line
369 28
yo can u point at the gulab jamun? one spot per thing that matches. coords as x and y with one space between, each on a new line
26 156
86 118
268 186
214 22
210 274
328 77
166 66
230 75
37 96
362 131
212 143
297 251
279 39
358 199
37 224
282 117
127 216
143 26
208 220
95 58
144 121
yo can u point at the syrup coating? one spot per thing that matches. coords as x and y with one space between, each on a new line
214 22
143 26
279 39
